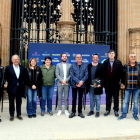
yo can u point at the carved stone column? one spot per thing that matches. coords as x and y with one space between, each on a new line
5 20
66 23
134 41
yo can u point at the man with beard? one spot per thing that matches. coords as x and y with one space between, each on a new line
63 82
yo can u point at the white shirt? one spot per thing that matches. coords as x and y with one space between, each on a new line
64 70
17 70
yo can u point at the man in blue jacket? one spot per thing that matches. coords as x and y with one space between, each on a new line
79 75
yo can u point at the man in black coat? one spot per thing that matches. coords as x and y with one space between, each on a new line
2 81
113 74
95 72
14 75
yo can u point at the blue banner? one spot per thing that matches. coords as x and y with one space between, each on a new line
41 50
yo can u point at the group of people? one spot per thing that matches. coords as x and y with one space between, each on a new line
38 81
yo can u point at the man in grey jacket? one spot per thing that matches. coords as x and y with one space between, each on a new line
62 73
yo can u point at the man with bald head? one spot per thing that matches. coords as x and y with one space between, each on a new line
79 75
14 75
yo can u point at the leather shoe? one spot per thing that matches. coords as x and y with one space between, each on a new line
29 116
34 115
72 115
11 119
116 114
90 113
81 115
107 113
0 120
20 118
97 114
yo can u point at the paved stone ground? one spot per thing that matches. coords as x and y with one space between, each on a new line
54 127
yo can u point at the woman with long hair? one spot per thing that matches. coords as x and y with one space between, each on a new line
33 81
48 83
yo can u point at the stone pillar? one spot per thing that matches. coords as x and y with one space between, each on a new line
66 23
134 41
5 20
128 17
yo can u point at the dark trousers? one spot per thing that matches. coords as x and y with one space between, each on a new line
74 99
109 93
18 97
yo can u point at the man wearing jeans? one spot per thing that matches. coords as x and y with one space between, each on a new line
131 81
95 71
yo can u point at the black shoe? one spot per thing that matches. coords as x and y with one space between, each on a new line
29 116
116 114
34 115
81 115
90 113
0 120
72 115
97 114
107 113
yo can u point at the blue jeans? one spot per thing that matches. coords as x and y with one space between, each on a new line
47 93
31 101
126 101
98 100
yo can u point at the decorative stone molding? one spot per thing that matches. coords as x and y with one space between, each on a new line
134 41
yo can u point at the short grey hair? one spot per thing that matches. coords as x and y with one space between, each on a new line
15 55
131 53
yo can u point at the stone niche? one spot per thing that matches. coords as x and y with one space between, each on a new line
134 41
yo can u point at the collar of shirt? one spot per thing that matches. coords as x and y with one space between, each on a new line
132 66
111 61
15 66
93 65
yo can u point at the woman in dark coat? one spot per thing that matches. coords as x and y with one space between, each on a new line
33 81
2 81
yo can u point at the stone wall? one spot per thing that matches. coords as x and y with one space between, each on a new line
128 17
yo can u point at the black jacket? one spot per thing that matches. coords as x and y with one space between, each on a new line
38 80
124 79
118 72
2 79
12 80
98 74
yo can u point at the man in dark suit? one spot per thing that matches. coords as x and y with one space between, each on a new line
113 74
79 76
95 71
14 74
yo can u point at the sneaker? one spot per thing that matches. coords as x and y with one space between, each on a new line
42 114
97 114
121 117
136 118
67 112
50 113
29 116
59 112
90 113
116 114
34 115
107 113
81 115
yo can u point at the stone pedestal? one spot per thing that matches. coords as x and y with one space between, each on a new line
66 23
